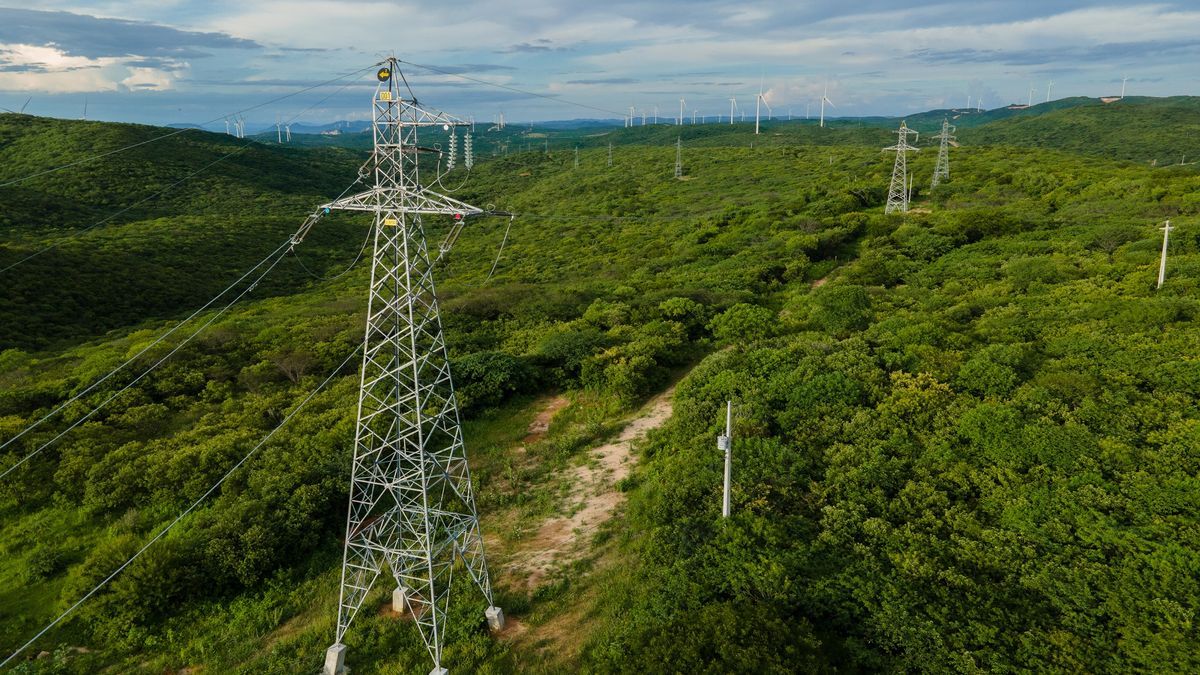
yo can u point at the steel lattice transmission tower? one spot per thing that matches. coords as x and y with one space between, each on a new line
679 157
898 191
412 505
942 169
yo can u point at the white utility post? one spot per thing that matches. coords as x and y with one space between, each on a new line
725 443
1162 265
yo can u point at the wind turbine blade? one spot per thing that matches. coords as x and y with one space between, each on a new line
26 103
830 103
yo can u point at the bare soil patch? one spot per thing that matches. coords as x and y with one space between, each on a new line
593 499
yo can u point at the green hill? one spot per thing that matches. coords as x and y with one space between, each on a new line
965 439
1152 130
168 240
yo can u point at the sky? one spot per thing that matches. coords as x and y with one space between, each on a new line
187 61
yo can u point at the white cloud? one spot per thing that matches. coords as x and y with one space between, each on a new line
149 79
47 68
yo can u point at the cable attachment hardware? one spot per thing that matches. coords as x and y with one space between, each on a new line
306 226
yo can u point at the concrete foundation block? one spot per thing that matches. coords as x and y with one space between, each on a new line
335 660
439 671
400 600
495 618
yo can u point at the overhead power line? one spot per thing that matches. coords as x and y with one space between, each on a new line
141 201
92 158
507 87
278 254
170 188
182 514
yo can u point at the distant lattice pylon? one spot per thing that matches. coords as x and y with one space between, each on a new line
898 191
942 170
679 157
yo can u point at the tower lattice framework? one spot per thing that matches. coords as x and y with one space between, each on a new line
941 170
412 505
898 190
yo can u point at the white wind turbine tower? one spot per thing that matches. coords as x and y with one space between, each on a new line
681 102
1048 86
1123 81
758 101
732 107
1030 104
287 128
824 100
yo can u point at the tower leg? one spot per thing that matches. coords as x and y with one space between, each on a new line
400 600
495 619
335 659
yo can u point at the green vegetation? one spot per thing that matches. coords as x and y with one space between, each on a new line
1157 131
965 439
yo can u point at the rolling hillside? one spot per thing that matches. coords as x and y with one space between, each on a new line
1151 130
166 239
965 438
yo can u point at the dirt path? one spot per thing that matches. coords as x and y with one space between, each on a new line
593 499
541 423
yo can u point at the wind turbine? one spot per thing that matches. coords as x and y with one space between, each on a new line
278 131
824 100
1050 84
1030 104
732 107
226 126
288 128
758 100
22 110
968 101
1123 81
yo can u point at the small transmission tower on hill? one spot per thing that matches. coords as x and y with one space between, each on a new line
412 505
898 192
679 157
942 170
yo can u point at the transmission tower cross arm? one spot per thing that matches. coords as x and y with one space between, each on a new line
424 201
